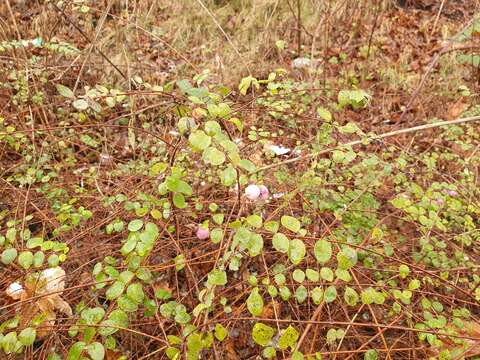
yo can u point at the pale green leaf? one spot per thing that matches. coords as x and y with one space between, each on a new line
255 303
290 223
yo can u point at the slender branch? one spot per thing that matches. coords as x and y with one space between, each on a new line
372 138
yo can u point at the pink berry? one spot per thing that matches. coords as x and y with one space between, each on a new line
252 192
452 193
264 193
202 233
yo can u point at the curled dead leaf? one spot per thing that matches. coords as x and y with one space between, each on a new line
46 287
15 291
456 109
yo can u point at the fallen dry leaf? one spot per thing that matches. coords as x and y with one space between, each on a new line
456 109
49 284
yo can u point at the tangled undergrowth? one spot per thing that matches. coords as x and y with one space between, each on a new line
304 214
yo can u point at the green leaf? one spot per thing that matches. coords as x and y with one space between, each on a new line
38 259
247 165
414 284
330 294
127 304
158 168
255 303
323 251
255 245
53 260
262 334
163 294
213 156
184 85
255 221
317 295
25 259
228 176
216 235
117 318
245 84
401 202
296 251
76 350
347 258
92 315
297 355
125 276
217 277
65 91
34 242
285 293
349 128
280 242
298 275
199 140
403 271
324 114
312 275
172 353
301 294
182 317
176 185
80 105
288 338
179 262
135 225
370 355
135 292
179 201
129 245
9 342
27 336
272 291
269 352
213 128
280 44
370 296
115 290
271 226
218 218
350 296
331 337
343 275
357 99
96 351
290 223
194 346
280 279
326 274
220 332
9 255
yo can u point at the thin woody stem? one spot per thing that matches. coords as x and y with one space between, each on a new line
372 138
